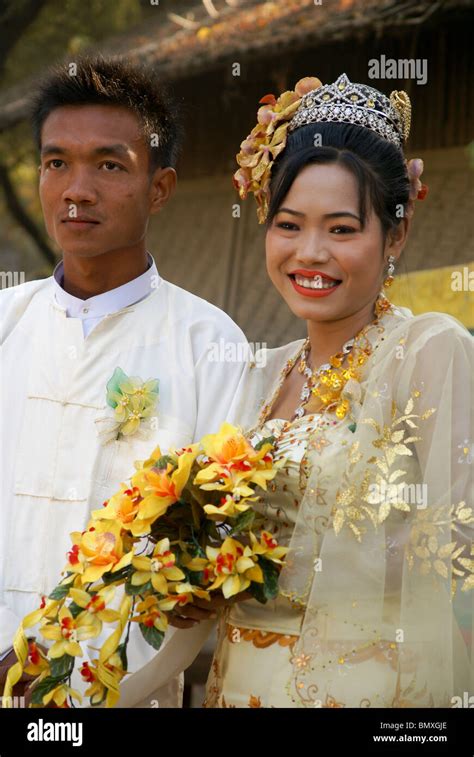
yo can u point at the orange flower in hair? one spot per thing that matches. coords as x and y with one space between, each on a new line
266 141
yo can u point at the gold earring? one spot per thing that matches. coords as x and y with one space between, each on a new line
388 281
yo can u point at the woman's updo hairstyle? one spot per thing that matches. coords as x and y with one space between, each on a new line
377 164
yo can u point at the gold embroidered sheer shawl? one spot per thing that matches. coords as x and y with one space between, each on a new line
381 556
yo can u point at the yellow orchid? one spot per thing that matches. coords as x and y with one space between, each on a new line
235 463
160 489
159 568
151 615
96 603
229 507
89 673
93 672
234 566
60 694
97 551
268 547
69 632
38 664
182 594
122 507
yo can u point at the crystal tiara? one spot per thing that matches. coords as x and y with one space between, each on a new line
344 101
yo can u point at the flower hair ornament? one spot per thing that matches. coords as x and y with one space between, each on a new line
313 102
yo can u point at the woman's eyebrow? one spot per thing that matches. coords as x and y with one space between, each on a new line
336 214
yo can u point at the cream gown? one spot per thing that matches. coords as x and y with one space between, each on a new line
380 625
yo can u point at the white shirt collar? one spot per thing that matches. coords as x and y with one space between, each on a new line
107 302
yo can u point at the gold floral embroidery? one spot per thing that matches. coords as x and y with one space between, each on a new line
393 443
432 557
260 639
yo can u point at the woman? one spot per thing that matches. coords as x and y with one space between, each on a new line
373 412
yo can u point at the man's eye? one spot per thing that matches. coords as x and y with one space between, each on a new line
111 166
343 229
53 163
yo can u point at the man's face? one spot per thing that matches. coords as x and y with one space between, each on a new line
95 188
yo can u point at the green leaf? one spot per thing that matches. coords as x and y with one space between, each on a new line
270 576
62 667
113 385
243 521
60 591
352 427
162 462
132 590
44 687
122 650
266 440
152 636
74 609
118 576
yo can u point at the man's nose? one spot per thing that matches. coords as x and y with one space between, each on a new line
80 188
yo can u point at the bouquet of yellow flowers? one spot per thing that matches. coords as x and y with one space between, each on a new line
170 535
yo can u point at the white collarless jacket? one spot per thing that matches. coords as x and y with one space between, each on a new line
54 464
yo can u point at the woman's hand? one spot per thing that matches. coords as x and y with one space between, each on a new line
201 609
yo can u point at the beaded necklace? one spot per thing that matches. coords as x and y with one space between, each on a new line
328 381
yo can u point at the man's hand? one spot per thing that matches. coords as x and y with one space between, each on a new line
201 609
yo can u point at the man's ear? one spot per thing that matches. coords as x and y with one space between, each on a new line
162 186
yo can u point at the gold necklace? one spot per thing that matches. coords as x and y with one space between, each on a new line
328 381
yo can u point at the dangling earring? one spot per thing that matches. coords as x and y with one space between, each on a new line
388 281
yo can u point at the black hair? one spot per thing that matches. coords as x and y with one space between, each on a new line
378 166
110 81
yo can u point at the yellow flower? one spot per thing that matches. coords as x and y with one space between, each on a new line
69 632
37 661
161 488
96 603
234 566
96 674
122 506
234 463
97 551
60 694
268 547
151 615
229 507
181 594
159 568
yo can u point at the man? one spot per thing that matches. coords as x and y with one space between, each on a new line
104 321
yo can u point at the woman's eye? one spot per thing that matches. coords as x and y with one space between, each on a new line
343 229
287 225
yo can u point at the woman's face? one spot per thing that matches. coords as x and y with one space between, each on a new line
317 233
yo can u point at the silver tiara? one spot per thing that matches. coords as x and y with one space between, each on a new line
344 101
